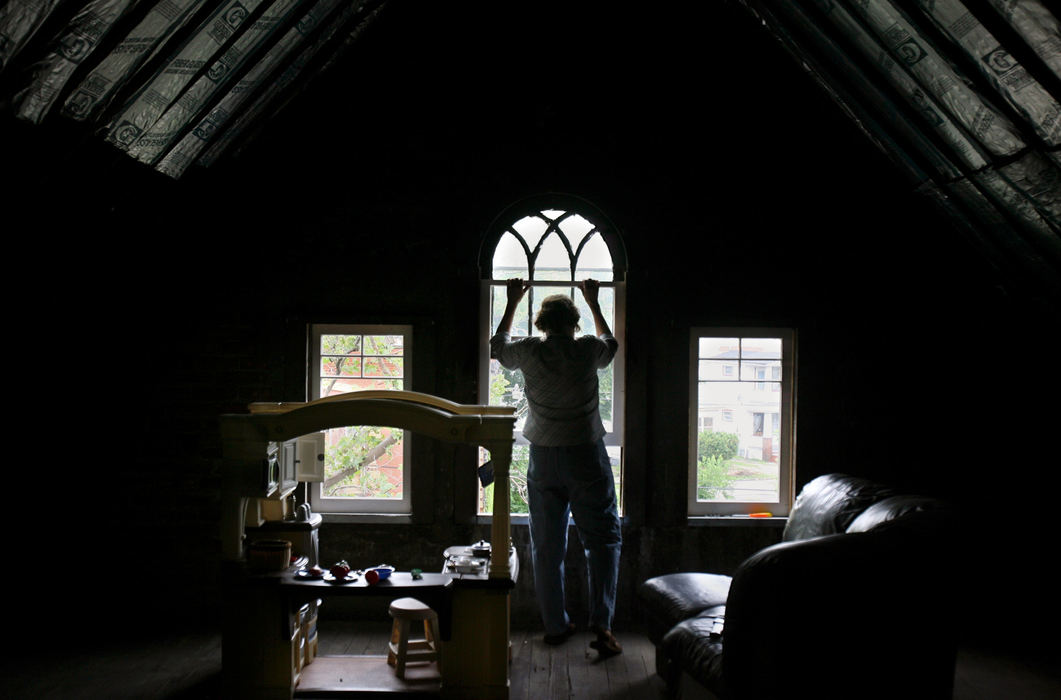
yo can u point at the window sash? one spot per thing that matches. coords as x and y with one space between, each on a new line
786 435
614 437
318 501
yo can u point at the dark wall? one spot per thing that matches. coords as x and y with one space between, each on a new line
150 307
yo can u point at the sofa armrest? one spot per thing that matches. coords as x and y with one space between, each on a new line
668 599
694 647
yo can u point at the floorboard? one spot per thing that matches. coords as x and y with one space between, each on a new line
188 667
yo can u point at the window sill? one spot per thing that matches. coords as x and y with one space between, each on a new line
524 519
374 518
514 519
736 521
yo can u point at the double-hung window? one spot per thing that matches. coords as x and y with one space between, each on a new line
554 242
365 467
742 429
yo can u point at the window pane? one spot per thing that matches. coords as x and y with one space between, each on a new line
615 454
553 261
749 474
510 260
363 462
594 261
340 344
507 389
605 378
718 370
336 366
606 298
753 371
534 298
719 347
331 387
384 344
518 480
531 228
498 301
761 348
716 396
738 414
575 228
383 367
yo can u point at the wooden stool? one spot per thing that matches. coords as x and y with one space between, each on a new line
401 649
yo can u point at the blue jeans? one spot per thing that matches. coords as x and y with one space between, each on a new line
575 481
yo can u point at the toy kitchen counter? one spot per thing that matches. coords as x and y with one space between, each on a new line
268 648
270 640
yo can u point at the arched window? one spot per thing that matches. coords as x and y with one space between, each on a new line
554 241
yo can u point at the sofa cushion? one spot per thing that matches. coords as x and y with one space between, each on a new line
693 649
669 599
828 504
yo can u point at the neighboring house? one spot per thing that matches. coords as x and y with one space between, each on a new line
748 406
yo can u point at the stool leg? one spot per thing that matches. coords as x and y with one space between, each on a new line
395 636
431 629
403 646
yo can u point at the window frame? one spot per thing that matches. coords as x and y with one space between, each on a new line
503 223
371 506
787 433
614 437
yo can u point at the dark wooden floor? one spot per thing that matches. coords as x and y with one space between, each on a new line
187 667
539 671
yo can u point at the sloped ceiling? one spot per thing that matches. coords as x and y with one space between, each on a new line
642 71
963 96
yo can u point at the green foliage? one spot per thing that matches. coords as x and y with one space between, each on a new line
348 456
340 344
507 389
713 478
711 444
713 452
517 476
605 378
366 483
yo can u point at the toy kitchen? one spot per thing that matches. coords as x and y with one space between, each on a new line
274 583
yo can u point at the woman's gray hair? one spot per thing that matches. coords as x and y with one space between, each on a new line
557 314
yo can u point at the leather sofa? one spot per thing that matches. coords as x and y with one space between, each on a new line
854 602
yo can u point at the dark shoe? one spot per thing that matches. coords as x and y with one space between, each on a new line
562 637
606 644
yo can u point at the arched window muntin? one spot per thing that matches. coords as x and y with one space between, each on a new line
555 230
564 208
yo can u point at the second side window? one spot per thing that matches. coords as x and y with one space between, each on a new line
742 423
